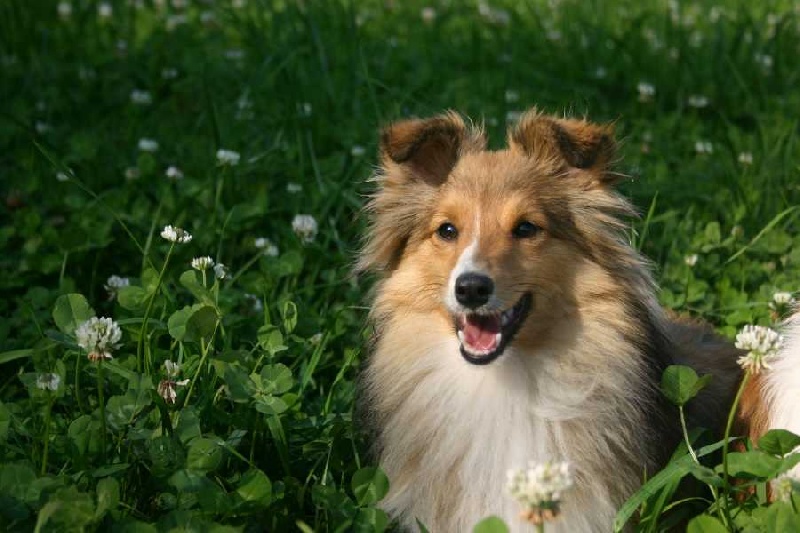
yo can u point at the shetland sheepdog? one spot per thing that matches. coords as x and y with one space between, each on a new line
514 323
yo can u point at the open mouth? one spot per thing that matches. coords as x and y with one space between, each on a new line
484 336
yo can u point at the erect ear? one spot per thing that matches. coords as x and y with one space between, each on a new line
428 149
577 143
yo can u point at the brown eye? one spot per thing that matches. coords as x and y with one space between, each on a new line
525 230
447 232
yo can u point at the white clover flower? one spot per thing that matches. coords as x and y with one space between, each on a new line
745 158
169 73
492 15
220 271
305 226
553 35
600 73
315 339
227 157
147 145
690 260
784 487
140 97
62 176
64 10
208 17
167 388
782 302
539 489
294 188
764 60
104 10
761 344
114 284
428 14
512 97
234 54
48 381
99 337
646 91
268 247
202 263
42 127
698 101
513 116
177 235
174 173
255 302
306 109
703 147
238 4
357 150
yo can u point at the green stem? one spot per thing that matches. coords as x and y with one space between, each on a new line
47 413
728 426
143 334
101 400
723 516
204 350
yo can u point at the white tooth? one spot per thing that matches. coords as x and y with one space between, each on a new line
460 336
498 337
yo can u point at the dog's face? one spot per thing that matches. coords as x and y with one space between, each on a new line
493 241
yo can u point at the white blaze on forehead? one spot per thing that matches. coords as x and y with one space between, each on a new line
468 261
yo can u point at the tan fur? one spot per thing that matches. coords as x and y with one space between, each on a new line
579 381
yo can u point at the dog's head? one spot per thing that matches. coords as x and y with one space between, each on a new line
502 244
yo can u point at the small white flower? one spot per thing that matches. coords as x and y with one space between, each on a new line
114 284
62 176
646 91
132 173
784 487
492 15
172 368
104 10
306 109
764 60
42 127
690 260
315 339
48 381
357 151
428 15
600 73
294 188
64 10
99 337
761 344
698 101
745 158
782 303
178 235
174 173
255 302
208 17
512 97
227 157
220 271
234 54
169 73
148 145
553 35
140 97
513 116
202 263
703 147
269 248
539 489
305 226
176 19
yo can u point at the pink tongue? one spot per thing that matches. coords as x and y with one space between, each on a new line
480 332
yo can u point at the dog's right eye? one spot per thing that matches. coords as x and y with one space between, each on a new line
447 232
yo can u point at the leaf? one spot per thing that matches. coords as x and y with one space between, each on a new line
369 485
778 442
680 383
278 377
781 517
753 463
270 405
190 324
5 422
270 339
67 509
706 475
255 488
676 469
289 315
191 280
204 454
13 355
70 311
107 496
491 524
371 519
705 524
132 298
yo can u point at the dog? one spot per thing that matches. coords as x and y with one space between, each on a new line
514 322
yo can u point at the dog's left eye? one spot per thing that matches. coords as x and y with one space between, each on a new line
525 230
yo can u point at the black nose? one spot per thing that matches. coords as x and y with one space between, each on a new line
473 290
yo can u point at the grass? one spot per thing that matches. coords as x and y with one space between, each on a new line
262 435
